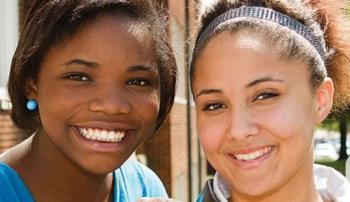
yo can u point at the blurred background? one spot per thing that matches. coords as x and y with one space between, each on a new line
174 153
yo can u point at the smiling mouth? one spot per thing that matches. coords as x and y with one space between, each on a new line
253 155
102 135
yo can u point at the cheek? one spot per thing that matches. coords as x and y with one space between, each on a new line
58 104
294 133
211 134
285 122
148 107
54 112
290 122
56 100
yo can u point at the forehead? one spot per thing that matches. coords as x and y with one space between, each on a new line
225 43
128 27
241 58
120 34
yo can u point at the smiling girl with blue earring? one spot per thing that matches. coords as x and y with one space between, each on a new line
90 80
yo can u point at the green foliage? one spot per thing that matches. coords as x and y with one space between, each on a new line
332 121
330 124
338 165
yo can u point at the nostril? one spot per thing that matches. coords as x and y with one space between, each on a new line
242 126
111 105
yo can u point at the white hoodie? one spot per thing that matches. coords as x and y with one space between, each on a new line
331 184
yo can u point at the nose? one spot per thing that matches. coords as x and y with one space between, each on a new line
241 124
110 100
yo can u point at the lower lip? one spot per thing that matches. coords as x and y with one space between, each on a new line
250 165
103 146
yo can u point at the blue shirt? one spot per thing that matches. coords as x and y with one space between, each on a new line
131 181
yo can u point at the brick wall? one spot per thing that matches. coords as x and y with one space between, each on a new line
167 152
9 134
157 150
179 154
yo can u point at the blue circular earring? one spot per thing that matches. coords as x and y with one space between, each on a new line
32 105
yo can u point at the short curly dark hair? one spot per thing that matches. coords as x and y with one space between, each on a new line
50 22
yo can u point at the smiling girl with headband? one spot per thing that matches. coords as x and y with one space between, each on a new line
264 74
90 80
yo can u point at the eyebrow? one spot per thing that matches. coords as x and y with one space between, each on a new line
78 61
262 80
208 91
251 84
136 68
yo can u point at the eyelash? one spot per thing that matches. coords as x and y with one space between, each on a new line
78 76
213 107
260 96
139 82
265 95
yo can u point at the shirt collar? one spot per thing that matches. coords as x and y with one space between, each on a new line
331 184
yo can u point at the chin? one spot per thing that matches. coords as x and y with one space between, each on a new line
256 191
102 166
101 170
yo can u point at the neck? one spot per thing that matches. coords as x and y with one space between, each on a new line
50 176
300 187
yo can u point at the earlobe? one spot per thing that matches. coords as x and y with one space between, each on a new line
324 99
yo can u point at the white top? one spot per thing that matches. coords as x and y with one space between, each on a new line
331 184
347 168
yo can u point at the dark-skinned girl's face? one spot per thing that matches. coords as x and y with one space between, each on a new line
98 93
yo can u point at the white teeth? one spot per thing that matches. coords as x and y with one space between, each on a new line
253 155
102 135
111 136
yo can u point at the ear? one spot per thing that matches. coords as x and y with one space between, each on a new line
31 89
324 99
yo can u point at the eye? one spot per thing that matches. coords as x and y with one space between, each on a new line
139 82
213 107
265 95
77 76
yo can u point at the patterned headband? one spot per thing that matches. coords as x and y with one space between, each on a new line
265 14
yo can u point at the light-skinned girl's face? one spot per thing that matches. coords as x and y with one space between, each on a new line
256 113
98 93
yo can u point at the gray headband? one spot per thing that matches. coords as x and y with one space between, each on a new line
265 14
